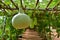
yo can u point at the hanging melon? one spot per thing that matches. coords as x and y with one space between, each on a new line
21 21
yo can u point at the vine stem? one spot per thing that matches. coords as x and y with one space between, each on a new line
20 7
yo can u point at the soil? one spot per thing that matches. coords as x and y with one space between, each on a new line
33 35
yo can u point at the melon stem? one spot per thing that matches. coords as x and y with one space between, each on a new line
20 9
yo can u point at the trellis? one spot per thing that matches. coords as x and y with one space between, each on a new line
24 8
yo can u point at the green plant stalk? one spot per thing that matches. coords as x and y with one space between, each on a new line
50 25
4 25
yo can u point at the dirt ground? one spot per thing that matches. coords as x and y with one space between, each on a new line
31 35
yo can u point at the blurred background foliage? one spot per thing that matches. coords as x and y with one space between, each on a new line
41 20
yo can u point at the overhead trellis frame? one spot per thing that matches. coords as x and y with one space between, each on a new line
48 4
14 4
56 5
40 9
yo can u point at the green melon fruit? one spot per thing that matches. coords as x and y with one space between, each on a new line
21 21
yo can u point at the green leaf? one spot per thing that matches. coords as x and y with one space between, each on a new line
32 24
35 21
